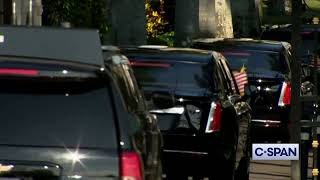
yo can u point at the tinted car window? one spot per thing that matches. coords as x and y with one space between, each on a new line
194 75
154 74
307 36
183 74
257 62
74 113
229 75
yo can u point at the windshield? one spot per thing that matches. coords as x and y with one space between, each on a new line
257 62
73 113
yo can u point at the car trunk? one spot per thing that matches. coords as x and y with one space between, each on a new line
53 163
54 127
264 94
266 71
185 139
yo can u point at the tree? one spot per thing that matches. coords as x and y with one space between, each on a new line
155 20
80 13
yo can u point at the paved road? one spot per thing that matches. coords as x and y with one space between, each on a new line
273 170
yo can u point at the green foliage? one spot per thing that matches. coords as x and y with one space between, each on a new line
156 24
155 20
80 13
166 39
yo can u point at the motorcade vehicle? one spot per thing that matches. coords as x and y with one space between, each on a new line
122 72
203 120
268 90
63 113
309 38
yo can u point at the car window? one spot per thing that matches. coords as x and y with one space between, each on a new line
229 75
221 78
134 88
194 75
155 74
307 40
257 62
226 80
59 113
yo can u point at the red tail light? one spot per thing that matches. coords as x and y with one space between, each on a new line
285 94
131 168
26 72
214 120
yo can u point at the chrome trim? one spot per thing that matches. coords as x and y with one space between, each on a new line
265 121
210 117
186 152
173 110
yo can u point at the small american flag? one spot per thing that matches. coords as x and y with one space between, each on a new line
241 80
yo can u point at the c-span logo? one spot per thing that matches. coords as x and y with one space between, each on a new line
275 151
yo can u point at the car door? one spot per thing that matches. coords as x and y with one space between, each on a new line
148 140
152 131
243 111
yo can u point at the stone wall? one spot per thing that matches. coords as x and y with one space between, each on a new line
202 19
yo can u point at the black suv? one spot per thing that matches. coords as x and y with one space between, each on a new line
122 72
203 120
63 115
268 68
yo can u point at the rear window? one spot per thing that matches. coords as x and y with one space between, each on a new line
307 36
154 73
193 75
75 113
182 74
257 62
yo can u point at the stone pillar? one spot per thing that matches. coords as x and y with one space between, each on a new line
246 15
37 13
202 19
128 22
21 12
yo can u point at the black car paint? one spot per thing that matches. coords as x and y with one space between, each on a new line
93 162
149 138
59 56
189 147
263 90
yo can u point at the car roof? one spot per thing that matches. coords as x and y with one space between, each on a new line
288 27
241 44
112 55
58 44
167 53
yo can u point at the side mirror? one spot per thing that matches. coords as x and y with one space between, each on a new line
163 100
